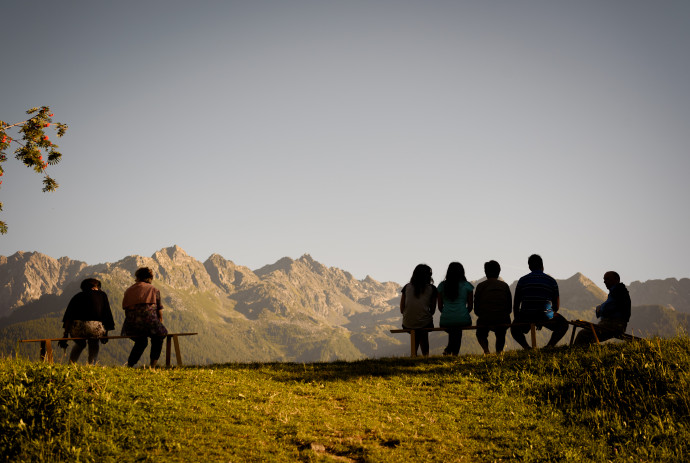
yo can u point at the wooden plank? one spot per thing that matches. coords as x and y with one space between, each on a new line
47 347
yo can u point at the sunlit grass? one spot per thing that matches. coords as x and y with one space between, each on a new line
616 402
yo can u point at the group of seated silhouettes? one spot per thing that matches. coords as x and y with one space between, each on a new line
88 316
536 301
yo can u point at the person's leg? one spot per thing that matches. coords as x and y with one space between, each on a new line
94 346
584 337
452 341
559 326
457 342
483 338
500 333
518 333
137 350
157 347
78 347
423 341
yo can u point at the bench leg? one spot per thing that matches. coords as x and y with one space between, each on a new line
533 332
413 344
178 356
572 336
594 332
47 351
167 351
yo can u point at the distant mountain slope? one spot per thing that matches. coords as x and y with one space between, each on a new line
669 292
26 276
296 310
292 310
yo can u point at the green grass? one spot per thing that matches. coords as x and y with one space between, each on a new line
617 402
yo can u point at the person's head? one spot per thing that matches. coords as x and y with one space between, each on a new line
611 278
89 284
535 263
455 272
144 274
421 275
454 276
492 269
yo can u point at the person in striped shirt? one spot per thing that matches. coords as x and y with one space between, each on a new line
537 301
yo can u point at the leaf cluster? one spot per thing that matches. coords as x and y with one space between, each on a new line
32 144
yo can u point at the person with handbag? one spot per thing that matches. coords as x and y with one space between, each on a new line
88 316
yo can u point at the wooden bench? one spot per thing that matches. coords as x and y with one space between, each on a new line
589 325
47 346
413 349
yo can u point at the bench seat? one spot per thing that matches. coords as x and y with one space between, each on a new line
413 350
171 338
591 326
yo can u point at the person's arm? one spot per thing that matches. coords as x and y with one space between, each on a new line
108 321
402 302
434 300
67 325
159 309
556 304
440 302
516 301
508 300
470 301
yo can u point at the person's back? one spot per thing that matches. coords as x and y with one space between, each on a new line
536 292
492 302
419 311
455 312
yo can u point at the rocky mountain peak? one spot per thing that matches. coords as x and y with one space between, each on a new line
26 276
285 264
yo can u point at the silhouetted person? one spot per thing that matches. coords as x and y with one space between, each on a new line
455 304
143 317
614 313
537 301
493 303
418 304
88 315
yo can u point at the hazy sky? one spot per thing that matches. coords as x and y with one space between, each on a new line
373 135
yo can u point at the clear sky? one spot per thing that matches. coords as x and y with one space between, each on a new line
373 135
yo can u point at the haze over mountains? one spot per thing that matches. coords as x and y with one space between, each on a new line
292 310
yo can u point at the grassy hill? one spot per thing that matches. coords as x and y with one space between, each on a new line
616 402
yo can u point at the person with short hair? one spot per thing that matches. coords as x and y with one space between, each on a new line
143 317
87 315
492 304
418 304
455 304
614 313
537 301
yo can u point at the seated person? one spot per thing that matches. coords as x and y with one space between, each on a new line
418 304
88 315
492 304
614 313
455 304
537 301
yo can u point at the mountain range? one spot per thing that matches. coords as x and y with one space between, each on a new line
291 310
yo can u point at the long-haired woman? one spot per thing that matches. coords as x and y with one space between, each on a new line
418 304
455 304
